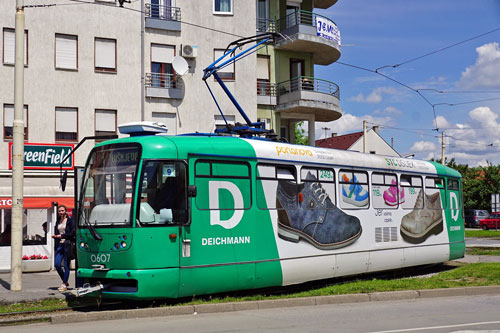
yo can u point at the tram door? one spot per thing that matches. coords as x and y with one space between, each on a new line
163 209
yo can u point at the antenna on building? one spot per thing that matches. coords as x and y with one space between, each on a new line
180 65
325 129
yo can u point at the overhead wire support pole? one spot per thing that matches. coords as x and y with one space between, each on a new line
17 155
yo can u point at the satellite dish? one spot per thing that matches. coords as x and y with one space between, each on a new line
180 65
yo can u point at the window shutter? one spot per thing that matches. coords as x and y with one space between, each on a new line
227 69
9 46
105 120
66 52
263 68
105 53
9 115
169 119
66 120
162 53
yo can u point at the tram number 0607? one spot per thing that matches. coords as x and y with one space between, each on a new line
100 257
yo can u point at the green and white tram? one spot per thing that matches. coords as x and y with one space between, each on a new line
172 216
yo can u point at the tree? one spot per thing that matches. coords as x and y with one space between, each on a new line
300 137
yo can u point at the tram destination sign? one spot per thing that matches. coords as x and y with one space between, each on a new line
45 156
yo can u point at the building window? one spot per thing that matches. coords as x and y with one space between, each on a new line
66 124
169 119
105 122
162 73
221 124
105 55
262 15
9 46
66 52
263 82
223 7
8 121
226 73
164 9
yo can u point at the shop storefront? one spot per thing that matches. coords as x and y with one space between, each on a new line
42 195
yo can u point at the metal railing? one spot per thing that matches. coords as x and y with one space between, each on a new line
307 83
266 25
265 88
161 80
163 12
325 27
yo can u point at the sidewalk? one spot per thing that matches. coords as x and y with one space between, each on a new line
38 286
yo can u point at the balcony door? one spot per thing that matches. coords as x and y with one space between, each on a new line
297 69
162 9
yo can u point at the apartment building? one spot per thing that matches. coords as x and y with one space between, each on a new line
288 92
92 66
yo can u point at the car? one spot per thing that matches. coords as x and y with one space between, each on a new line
491 222
473 216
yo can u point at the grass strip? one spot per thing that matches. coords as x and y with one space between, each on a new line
479 251
483 233
466 275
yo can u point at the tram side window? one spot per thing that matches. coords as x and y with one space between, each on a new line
434 193
163 198
318 190
385 191
276 186
354 191
412 190
223 185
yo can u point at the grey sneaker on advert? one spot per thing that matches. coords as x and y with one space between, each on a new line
419 224
306 212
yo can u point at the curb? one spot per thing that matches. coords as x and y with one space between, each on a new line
270 304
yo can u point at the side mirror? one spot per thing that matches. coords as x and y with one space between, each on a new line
63 180
192 192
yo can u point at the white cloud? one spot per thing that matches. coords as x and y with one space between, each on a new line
423 146
473 142
375 96
485 73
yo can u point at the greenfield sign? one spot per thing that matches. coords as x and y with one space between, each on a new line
45 156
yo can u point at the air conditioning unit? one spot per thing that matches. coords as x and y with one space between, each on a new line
189 51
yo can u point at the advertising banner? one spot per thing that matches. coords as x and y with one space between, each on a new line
45 156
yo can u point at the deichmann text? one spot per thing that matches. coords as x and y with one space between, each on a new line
225 240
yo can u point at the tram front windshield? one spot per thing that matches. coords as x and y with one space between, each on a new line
108 186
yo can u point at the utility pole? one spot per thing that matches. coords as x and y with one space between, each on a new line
16 282
325 129
364 136
442 147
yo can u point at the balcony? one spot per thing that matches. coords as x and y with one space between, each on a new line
324 4
159 85
309 32
266 92
308 95
163 17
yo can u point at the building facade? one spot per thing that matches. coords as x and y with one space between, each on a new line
92 66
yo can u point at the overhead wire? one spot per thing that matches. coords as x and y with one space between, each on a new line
439 50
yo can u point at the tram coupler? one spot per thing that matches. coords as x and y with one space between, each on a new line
87 289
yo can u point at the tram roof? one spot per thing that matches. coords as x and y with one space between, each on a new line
180 147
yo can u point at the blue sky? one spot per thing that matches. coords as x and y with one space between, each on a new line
376 33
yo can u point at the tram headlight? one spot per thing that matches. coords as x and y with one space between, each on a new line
117 246
123 244
82 245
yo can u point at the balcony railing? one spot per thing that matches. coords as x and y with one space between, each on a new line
325 27
163 12
161 80
306 83
265 88
265 25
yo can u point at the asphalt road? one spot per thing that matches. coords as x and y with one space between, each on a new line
446 314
